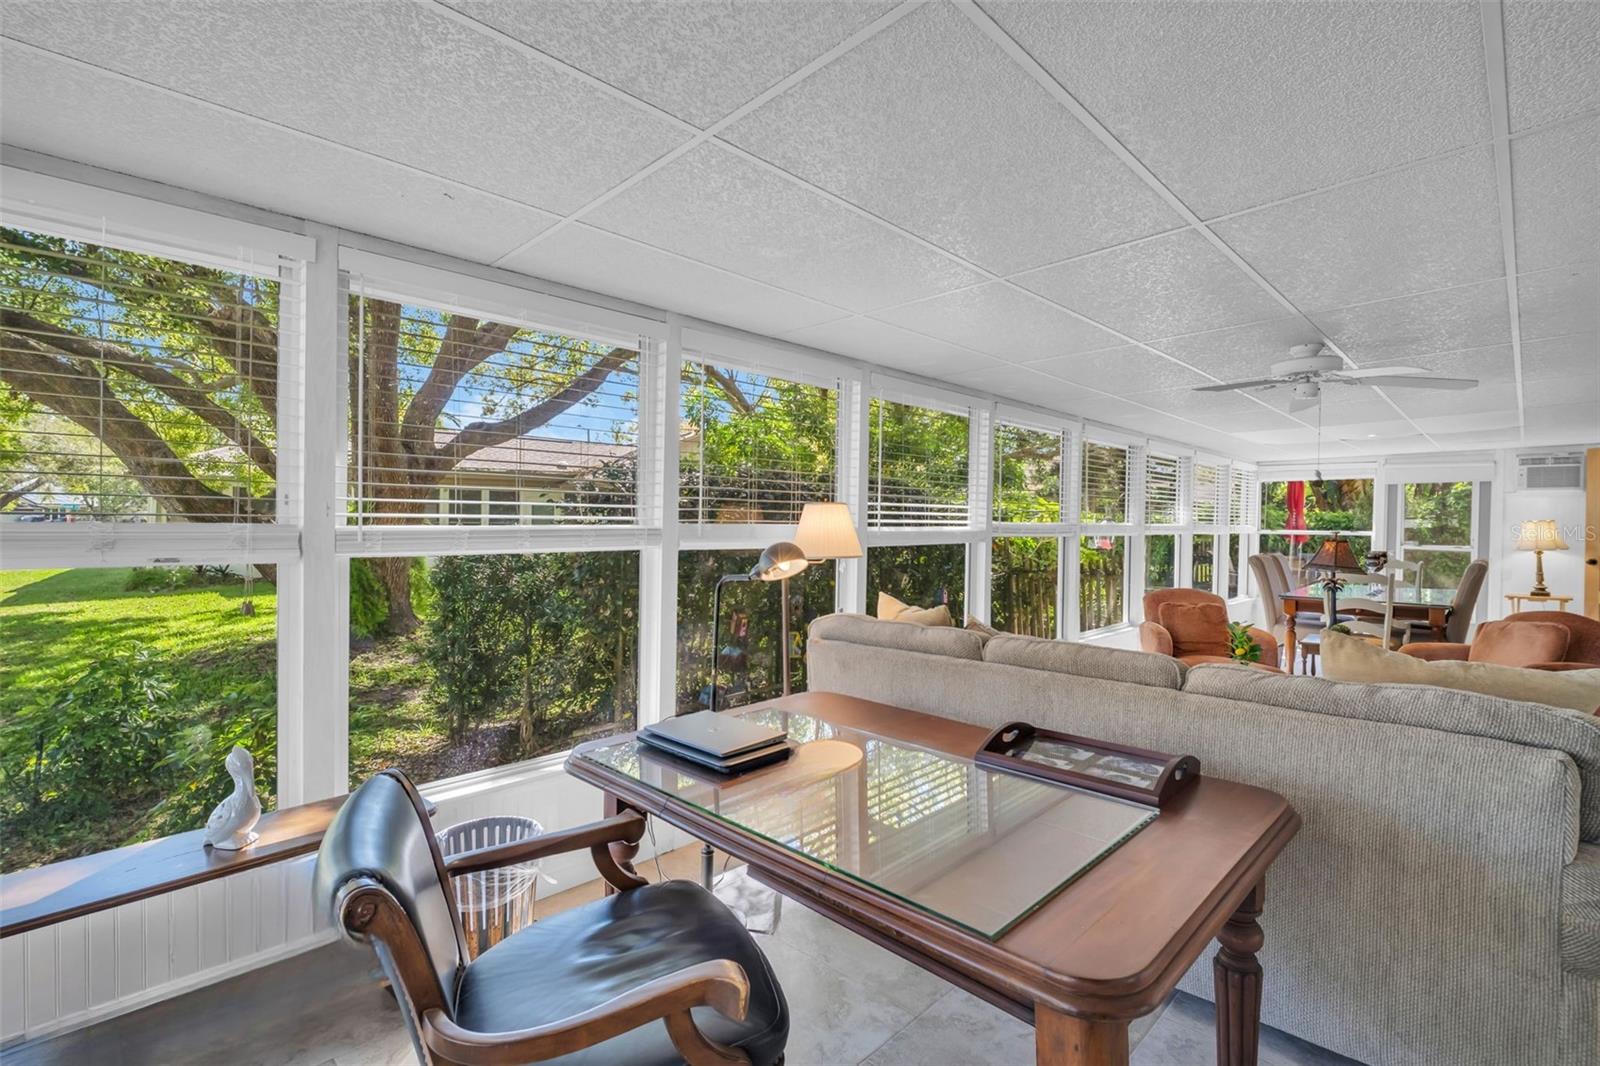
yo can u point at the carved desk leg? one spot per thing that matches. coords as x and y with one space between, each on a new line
621 852
1238 977
1066 1040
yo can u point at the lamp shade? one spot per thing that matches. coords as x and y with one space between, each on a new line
828 532
1540 534
780 560
1337 557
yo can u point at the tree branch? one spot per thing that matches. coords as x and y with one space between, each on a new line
730 388
467 344
19 490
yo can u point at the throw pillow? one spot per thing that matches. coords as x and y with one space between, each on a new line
893 610
1196 628
981 627
1347 658
1518 643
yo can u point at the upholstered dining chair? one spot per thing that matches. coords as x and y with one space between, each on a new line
1271 575
655 974
1462 605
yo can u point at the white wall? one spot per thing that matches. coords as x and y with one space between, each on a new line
1563 571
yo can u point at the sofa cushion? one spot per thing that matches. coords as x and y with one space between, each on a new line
1085 660
1518 643
931 640
893 610
1346 658
1195 628
1469 713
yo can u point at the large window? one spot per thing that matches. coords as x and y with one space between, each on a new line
1105 483
1102 579
1210 488
1160 562
1436 530
923 575
1163 499
751 628
121 691
917 466
1203 562
462 420
1296 516
511 657
1027 474
1024 576
755 448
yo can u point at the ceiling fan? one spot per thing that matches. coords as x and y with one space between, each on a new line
1308 369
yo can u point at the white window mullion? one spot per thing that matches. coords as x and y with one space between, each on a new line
658 502
850 589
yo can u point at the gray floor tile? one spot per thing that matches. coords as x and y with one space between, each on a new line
957 1030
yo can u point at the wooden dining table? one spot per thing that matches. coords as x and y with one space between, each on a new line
1364 600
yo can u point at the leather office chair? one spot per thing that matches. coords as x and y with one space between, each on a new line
654 974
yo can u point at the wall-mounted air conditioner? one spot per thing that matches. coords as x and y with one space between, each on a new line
1549 471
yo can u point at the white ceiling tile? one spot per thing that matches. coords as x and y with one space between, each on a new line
1178 283
721 208
1572 423
1487 398
1128 367
1232 411
1427 227
1571 358
1552 59
1234 105
1553 303
1555 195
900 349
580 255
1001 321
1240 352
699 59
1550 392
1387 331
171 140
396 80
1490 365
931 126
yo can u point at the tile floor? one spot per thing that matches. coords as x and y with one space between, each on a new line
852 1003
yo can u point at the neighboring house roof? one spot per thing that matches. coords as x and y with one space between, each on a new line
548 456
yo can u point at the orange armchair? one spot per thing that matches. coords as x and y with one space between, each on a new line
1154 637
1499 643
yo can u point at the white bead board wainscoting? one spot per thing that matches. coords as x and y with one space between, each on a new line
87 969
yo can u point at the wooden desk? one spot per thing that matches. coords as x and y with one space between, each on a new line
1543 603
1432 607
1105 950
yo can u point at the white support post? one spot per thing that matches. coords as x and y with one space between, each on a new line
853 434
658 502
980 512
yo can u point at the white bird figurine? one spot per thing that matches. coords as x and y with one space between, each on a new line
231 825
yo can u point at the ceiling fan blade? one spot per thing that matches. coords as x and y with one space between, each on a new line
1303 403
1425 383
1383 372
1259 383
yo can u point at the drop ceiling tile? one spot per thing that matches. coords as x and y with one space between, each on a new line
721 208
1240 352
1571 358
1230 412
1128 369
580 255
1484 399
397 80
175 141
1179 283
1234 105
1550 392
931 126
1556 196
1489 365
1553 303
1001 321
1552 59
699 59
1387 331
1427 227
1571 423
890 346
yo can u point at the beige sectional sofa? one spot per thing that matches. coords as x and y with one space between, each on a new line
1441 903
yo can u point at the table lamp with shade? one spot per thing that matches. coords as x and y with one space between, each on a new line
1334 557
1539 536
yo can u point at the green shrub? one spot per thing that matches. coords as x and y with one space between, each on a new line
369 600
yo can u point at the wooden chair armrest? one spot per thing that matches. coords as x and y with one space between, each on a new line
625 828
720 984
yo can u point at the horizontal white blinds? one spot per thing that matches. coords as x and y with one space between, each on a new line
1163 480
462 420
1208 486
1242 498
139 388
917 466
1104 497
753 448
1027 474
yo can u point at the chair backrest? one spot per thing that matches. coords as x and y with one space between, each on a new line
1465 601
1154 599
1288 570
1269 586
381 875
1583 633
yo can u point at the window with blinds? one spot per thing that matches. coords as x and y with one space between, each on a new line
917 466
1241 498
136 388
1163 480
460 420
1104 497
1027 474
1208 486
753 448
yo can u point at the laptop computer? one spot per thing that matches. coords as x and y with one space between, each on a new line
723 737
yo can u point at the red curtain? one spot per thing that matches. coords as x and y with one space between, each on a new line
1297 513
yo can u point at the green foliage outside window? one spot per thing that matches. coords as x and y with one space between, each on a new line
922 575
917 466
1027 477
1024 574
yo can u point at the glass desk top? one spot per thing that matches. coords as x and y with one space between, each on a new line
980 848
1404 595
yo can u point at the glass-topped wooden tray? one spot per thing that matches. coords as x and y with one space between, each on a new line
1138 774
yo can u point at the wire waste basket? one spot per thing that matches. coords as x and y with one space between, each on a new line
493 903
